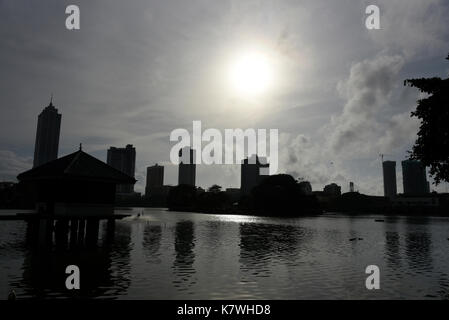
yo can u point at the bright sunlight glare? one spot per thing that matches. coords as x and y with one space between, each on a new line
251 73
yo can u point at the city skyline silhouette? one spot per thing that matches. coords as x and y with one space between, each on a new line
333 101
241 151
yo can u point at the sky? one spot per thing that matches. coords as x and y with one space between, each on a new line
138 69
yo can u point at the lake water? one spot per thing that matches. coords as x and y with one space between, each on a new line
170 255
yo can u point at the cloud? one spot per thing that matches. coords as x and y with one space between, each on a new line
400 131
371 122
302 158
12 164
367 92
413 27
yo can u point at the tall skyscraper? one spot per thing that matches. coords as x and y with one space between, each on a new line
187 169
389 173
123 159
414 178
155 178
47 135
251 173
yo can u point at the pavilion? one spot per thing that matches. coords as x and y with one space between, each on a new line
76 185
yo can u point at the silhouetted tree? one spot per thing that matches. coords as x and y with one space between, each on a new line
432 145
15 196
182 197
212 200
215 188
282 195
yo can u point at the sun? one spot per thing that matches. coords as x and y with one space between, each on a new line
251 73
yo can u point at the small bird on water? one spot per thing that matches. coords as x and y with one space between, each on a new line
12 295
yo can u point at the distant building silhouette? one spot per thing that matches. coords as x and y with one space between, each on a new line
414 178
123 159
332 190
155 178
389 173
187 169
251 173
47 135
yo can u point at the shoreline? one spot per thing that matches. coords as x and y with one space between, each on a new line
240 212
328 213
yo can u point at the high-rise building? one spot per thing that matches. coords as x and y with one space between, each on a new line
187 167
351 186
253 170
389 173
47 135
414 178
123 159
155 178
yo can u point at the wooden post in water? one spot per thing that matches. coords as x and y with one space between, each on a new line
81 233
32 232
110 230
61 233
73 232
42 232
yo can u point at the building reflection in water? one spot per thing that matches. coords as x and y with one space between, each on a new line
262 243
393 246
418 245
53 245
120 252
152 235
392 249
183 269
213 234
443 293
392 243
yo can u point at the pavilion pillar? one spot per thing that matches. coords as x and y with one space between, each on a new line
81 233
110 230
44 232
73 232
61 233
92 231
